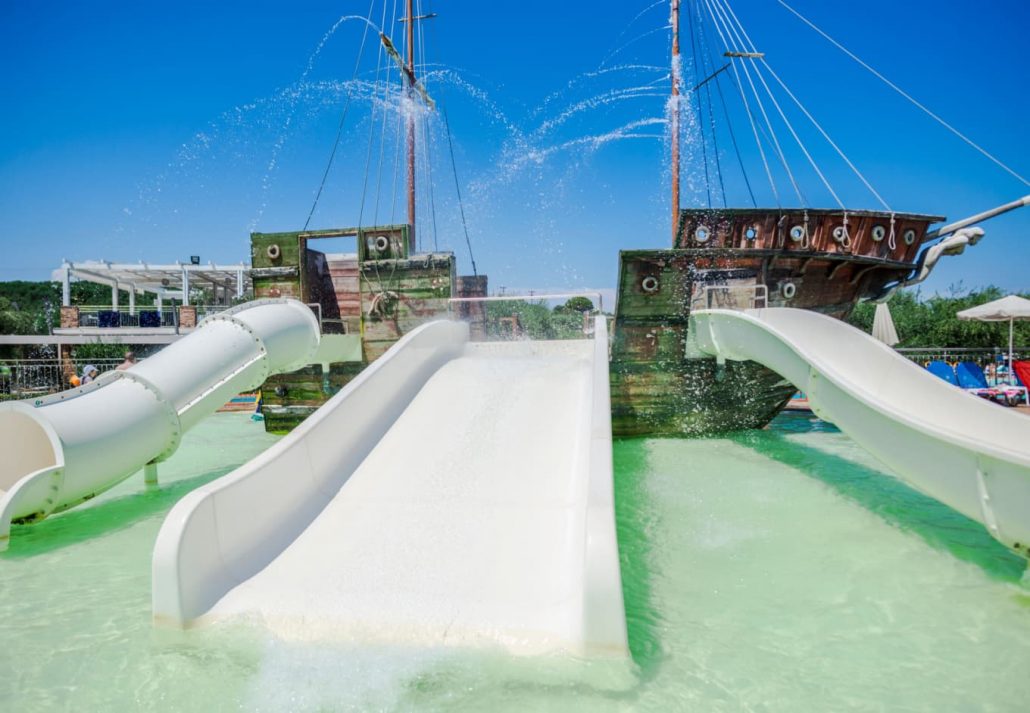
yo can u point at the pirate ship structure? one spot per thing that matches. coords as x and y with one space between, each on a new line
823 260
377 294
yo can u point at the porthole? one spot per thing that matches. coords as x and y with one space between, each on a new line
788 290
649 284
797 233
879 233
840 234
751 232
909 236
702 234
382 244
273 252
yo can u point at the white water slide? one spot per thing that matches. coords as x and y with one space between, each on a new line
969 454
62 450
454 493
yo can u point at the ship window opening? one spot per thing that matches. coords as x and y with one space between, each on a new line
909 236
879 233
702 234
839 233
788 290
649 284
751 233
797 233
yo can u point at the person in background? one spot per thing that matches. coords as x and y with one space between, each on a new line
130 361
89 373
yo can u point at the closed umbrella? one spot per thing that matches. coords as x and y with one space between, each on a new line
1007 309
883 325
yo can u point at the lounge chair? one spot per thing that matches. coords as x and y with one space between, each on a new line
943 370
971 378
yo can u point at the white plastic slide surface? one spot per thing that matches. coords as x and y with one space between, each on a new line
965 452
63 449
454 493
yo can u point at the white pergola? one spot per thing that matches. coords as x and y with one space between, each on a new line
166 281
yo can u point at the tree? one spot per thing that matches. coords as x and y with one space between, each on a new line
576 304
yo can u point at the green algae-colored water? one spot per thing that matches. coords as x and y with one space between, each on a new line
779 570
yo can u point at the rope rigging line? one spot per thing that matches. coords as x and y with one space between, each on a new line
382 135
708 70
747 108
372 124
776 104
700 119
758 100
905 94
729 125
426 130
457 188
343 117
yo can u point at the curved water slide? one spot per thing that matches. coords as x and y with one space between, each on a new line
454 494
64 449
967 453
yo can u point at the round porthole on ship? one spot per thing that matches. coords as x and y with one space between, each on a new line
273 252
788 290
839 234
702 234
751 232
797 233
649 284
909 236
382 243
879 233
281 390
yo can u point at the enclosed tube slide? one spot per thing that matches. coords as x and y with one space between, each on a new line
66 448
967 453
453 494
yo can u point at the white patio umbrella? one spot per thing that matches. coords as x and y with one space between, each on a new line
883 325
1007 309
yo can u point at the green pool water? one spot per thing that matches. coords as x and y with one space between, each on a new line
780 570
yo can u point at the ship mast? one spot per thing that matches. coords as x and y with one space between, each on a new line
674 118
411 126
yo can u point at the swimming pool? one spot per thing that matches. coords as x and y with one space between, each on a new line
772 570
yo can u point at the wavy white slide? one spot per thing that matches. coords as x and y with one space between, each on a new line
969 454
454 493
66 448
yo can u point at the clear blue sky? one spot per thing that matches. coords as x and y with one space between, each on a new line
159 130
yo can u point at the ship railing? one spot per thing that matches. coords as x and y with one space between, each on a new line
536 316
739 297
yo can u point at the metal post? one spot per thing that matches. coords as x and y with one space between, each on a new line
114 296
160 306
150 474
674 119
239 284
132 298
185 286
66 288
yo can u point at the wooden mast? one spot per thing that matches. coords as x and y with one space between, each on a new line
411 127
674 118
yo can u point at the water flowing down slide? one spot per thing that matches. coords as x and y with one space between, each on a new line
64 449
969 454
454 493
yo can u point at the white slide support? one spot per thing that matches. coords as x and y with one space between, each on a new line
969 454
63 449
454 494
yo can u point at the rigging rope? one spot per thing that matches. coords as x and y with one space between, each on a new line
776 104
729 125
697 96
707 69
343 117
761 105
747 108
903 93
457 188
372 123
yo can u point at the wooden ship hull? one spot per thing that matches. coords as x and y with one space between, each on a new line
823 260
